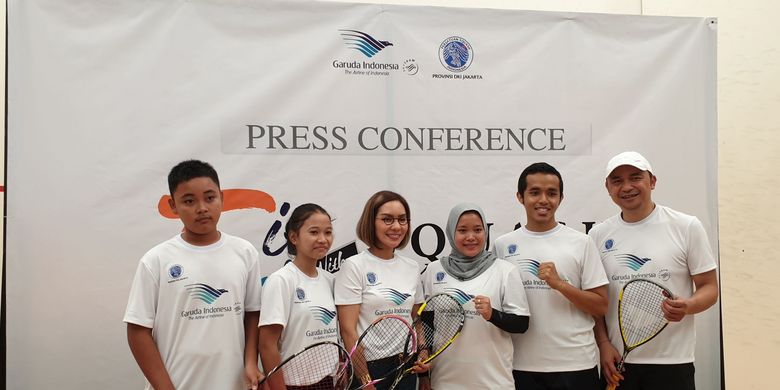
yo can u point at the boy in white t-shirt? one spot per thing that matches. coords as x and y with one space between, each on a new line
565 285
194 304
671 248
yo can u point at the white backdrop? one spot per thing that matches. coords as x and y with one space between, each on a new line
104 97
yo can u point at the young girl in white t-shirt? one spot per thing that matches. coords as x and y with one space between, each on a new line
298 308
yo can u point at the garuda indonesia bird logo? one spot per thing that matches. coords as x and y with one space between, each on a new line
363 42
632 261
530 265
204 292
394 296
322 314
461 296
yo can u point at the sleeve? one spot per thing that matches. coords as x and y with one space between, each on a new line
700 258
424 286
277 297
592 269
419 295
513 299
499 248
254 283
142 304
349 285
508 322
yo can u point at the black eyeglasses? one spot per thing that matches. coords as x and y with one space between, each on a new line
388 220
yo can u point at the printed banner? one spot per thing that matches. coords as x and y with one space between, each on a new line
306 101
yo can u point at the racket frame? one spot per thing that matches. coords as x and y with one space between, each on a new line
412 339
345 366
418 322
626 348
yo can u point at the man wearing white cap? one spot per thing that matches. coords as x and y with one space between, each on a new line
653 242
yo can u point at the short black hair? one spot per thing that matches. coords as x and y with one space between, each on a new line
539 167
188 170
296 220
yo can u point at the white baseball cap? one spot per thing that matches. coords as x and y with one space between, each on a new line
628 158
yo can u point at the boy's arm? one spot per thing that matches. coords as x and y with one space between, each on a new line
148 357
252 372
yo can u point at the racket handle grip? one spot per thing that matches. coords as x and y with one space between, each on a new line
612 387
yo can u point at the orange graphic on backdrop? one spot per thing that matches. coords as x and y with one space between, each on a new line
235 199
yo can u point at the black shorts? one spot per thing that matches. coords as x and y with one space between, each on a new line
561 380
382 366
325 383
658 377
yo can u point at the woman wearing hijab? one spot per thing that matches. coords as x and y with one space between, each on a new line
491 291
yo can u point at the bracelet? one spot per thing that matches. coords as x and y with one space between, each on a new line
423 374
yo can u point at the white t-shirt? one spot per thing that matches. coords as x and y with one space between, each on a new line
379 286
666 247
193 298
560 336
304 307
481 357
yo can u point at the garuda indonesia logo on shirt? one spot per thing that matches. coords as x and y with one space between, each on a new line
461 296
300 294
632 261
371 278
530 265
394 296
363 42
512 249
204 292
322 314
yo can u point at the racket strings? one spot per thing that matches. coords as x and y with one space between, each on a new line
321 367
439 322
389 340
641 317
